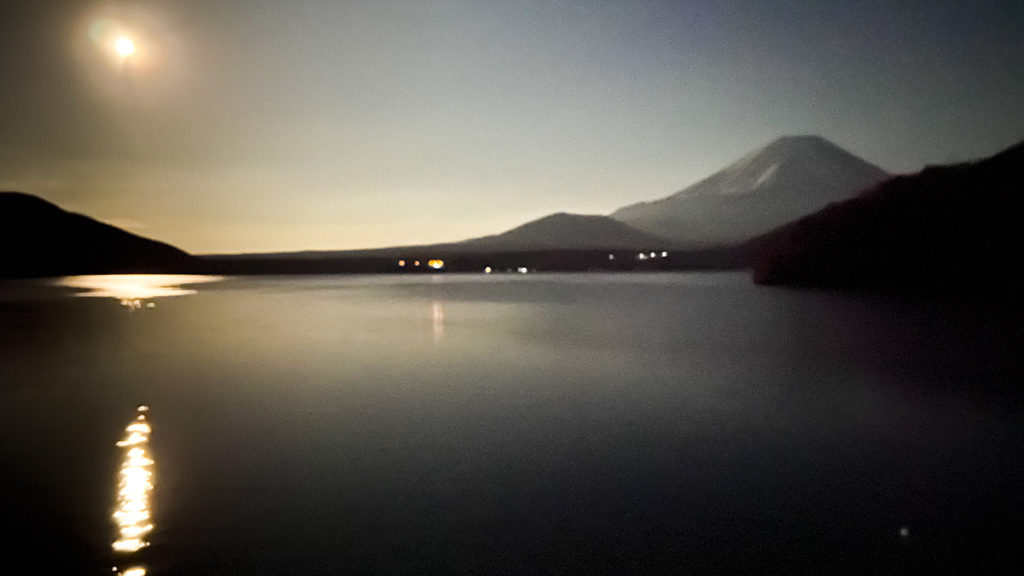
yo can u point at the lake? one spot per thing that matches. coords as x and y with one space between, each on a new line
511 424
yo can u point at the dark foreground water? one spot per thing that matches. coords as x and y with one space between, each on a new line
540 424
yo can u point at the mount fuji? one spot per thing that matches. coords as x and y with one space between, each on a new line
790 177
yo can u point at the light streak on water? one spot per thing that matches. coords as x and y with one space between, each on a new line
134 291
437 320
134 486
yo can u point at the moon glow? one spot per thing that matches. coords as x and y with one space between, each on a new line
124 46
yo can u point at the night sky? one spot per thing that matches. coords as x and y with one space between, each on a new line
257 125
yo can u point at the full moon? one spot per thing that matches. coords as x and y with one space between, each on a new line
124 46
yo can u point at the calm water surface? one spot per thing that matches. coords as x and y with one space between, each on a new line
540 424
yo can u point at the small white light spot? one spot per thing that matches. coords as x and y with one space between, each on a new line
904 532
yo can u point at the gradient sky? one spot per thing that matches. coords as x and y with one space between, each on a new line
248 125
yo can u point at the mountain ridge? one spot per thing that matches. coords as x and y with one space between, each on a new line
563 230
38 238
789 177
954 226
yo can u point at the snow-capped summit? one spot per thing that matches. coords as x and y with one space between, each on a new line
790 177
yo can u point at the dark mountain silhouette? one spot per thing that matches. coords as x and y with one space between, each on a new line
568 232
39 239
789 178
560 231
708 222
948 227
568 242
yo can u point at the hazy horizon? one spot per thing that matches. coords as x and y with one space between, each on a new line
246 127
